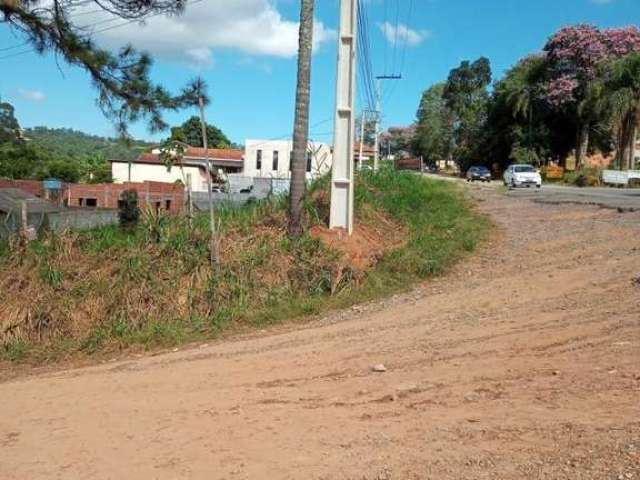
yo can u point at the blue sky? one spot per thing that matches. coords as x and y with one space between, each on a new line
245 49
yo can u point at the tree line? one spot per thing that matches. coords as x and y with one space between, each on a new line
579 95
72 156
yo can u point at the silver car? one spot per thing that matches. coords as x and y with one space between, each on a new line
522 176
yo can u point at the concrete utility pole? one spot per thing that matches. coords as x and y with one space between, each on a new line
341 212
376 127
378 118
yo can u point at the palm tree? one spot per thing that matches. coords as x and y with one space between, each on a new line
623 99
301 120
522 87
196 94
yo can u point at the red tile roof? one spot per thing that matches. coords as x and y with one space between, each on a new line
219 153
148 158
366 149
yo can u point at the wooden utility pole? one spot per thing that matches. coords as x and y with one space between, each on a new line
213 238
341 212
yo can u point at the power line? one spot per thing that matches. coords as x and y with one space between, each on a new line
364 56
389 93
385 26
363 59
17 53
395 36
5 49
288 135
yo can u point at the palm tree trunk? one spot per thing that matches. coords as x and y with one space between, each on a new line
301 120
632 145
625 142
582 144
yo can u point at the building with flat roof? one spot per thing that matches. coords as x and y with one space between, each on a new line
272 158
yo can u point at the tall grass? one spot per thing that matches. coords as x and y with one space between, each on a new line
108 288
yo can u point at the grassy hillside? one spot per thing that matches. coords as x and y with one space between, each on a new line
107 289
68 143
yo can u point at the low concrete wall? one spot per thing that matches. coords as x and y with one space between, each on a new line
71 219
260 188
81 219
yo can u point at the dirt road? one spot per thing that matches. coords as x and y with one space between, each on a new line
524 362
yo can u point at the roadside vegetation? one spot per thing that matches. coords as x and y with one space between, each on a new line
110 289
577 97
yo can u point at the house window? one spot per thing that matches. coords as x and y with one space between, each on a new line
309 155
91 202
259 160
276 154
167 204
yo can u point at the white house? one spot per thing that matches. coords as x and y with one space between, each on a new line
150 167
272 158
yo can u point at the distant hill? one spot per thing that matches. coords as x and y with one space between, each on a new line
66 142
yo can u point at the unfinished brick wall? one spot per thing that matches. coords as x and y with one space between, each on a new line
34 187
157 195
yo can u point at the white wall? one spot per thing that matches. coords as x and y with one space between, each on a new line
320 160
141 172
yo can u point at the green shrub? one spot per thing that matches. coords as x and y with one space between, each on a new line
585 177
128 211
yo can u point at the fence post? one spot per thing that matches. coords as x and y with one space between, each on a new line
189 198
23 217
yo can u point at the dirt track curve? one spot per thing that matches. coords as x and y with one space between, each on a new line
524 362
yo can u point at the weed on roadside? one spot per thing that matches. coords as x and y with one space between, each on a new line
151 286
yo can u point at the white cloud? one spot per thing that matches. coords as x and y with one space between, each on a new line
253 27
402 33
33 95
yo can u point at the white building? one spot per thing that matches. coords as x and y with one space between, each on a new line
150 167
272 158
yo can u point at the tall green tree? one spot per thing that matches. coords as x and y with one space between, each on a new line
9 126
369 129
575 55
434 126
125 91
466 96
622 87
190 132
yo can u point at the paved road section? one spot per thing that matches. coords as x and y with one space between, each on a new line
625 199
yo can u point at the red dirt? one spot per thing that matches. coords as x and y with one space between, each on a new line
524 364
367 243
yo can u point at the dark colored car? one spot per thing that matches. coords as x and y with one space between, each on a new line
478 173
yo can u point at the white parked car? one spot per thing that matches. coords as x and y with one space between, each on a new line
522 176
